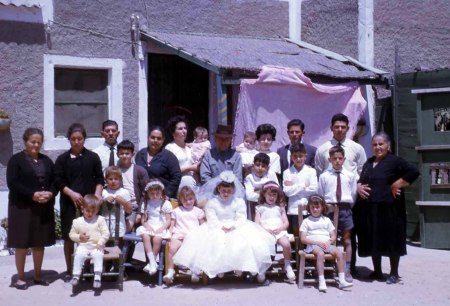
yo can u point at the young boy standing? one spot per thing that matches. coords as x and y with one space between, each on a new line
256 179
115 194
134 180
299 182
338 186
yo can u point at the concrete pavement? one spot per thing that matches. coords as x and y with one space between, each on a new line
425 274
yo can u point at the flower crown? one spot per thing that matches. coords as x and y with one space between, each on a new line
227 176
153 184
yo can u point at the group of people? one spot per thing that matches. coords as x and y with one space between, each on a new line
234 205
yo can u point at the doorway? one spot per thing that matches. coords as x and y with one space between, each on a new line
177 87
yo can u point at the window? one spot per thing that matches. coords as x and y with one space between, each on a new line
81 95
80 89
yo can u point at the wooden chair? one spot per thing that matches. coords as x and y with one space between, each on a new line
113 257
307 262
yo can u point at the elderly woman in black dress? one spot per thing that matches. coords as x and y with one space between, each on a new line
159 162
77 172
380 210
31 219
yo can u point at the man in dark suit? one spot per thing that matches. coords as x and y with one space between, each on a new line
295 130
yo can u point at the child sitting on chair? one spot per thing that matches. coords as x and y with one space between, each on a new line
114 193
155 222
271 215
91 233
185 218
318 233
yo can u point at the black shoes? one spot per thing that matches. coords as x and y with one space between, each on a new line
393 279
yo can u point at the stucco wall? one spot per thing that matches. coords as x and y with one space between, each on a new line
421 29
331 24
84 28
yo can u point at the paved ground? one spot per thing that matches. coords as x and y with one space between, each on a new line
425 274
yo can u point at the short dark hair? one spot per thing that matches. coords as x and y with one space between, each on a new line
336 149
125 145
172 124
76 127
266 128
339 117
156 128
262 158
296 122
32 131
297 148
108 123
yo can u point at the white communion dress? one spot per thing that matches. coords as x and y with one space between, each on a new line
209 249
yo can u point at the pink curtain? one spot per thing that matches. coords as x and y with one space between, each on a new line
281 94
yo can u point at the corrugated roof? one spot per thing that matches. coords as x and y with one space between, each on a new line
219 52
27 3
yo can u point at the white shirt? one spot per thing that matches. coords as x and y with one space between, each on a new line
184 155
104 152
317 229
355 156
328 184
274 164
304 185
247 157
128 182
253 182
126 196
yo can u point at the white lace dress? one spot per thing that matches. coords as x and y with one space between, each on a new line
209 249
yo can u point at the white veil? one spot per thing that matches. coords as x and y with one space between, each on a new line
208 190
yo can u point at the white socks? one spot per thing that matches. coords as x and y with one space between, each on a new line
322 284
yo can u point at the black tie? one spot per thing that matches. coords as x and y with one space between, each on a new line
111 156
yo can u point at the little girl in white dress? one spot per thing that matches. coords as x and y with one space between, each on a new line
227 241
156 222
271 215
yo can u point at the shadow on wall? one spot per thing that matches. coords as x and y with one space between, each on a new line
6 147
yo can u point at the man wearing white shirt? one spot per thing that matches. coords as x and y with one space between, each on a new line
108 150
355 156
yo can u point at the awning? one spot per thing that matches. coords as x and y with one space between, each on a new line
219 53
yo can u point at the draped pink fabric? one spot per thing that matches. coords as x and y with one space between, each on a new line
281 94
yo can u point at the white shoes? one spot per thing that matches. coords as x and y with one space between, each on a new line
168 278
150 268
344 284
290 273
322 287
195 278
261 278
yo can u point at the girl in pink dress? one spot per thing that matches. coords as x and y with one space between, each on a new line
185 218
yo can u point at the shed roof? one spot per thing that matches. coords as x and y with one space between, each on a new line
219 53
27 3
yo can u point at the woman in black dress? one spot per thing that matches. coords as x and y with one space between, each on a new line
31 219
159 162
77 172
380 209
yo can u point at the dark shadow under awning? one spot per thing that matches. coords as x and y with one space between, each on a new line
219 53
